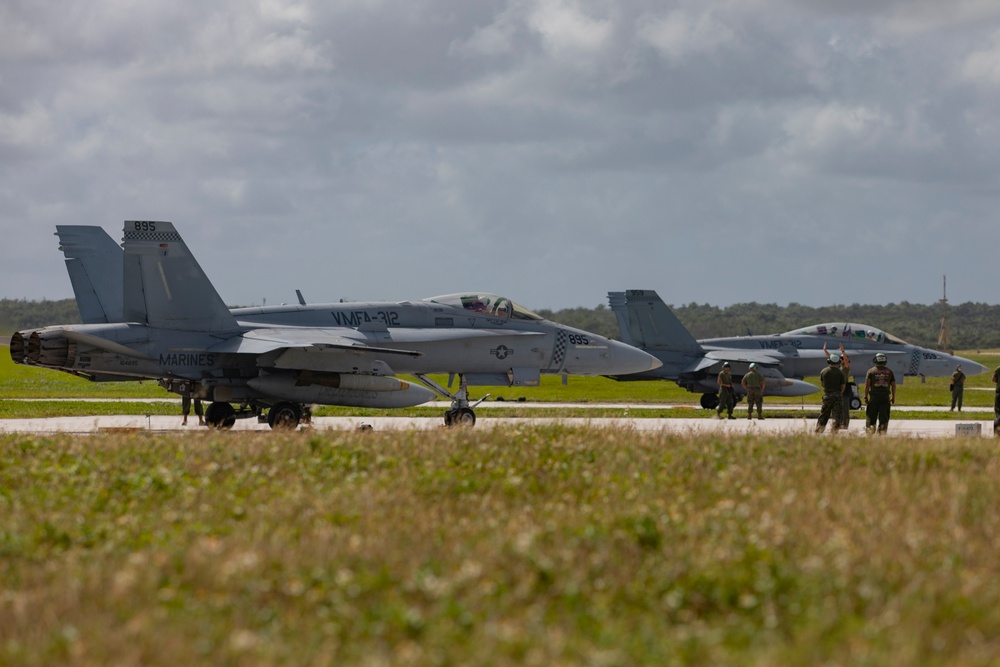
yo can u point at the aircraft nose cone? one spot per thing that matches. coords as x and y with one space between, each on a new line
970 367
626 359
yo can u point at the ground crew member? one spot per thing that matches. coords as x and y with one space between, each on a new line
957 387
753 382
996 401
832 380
727 398
880 395
845 403
186 406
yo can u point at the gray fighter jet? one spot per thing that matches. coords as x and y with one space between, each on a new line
171 325
646 322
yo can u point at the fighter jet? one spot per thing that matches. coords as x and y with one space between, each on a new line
174 327
646 322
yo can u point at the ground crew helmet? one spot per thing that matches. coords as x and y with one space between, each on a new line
834 359
753 365
726 365
880 358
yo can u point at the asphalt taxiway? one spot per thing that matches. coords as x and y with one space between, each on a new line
912 428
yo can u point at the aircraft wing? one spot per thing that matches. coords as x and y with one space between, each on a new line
262 341
329 350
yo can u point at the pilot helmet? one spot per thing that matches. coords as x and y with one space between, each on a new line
880 358
834 359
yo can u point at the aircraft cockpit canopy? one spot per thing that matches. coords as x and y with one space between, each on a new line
851 331
493 305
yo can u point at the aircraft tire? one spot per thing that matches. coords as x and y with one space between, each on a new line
284 416
710 401
460 417
465 417
220 415
855 404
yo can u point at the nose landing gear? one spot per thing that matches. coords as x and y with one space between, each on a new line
461 412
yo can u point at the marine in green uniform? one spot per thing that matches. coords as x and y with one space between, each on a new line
753 382
727 399
845 402
996 403
957 387
832 380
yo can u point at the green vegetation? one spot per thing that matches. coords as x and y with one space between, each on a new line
534 546
17 314
19 381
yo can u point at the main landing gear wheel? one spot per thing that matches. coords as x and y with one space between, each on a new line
460 417
710 401
220 416
284 417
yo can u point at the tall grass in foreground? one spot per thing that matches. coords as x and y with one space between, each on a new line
539 546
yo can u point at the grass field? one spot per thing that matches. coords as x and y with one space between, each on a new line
545 545
538 546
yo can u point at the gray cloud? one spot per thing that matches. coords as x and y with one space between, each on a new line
717 151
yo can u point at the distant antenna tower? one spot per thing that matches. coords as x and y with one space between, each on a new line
944 340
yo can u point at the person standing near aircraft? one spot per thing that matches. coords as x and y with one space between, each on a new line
996 400
753 382
957 387
727 399
833 380
186 406
845 401
880 395
996 403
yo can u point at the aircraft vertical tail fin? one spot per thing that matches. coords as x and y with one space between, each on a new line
646 322
163 283
94 264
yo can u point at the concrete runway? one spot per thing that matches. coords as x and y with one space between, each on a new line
912 428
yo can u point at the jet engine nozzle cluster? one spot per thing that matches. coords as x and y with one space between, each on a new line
43 348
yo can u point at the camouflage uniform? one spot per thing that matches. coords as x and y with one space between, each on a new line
727 400
957 389
832 379
996 403
996 400
845 412
753 382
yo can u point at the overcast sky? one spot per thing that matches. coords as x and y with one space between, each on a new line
719 152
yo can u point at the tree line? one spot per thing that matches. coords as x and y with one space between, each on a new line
971 325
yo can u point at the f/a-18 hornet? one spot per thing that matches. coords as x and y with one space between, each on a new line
646 322
175 328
